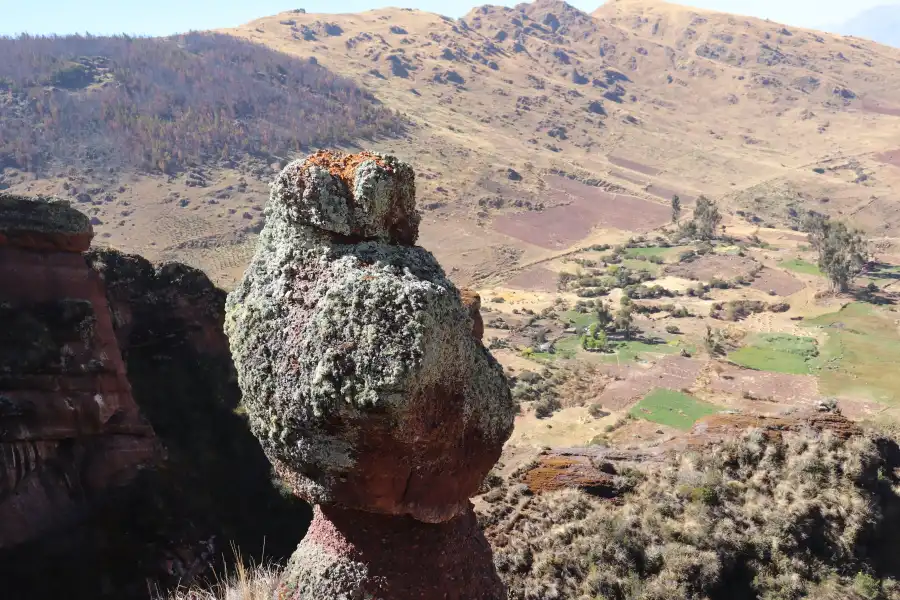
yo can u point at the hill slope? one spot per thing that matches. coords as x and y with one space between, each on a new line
648 98
540 128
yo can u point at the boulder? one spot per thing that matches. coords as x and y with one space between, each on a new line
361 366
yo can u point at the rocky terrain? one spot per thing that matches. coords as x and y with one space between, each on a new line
697 411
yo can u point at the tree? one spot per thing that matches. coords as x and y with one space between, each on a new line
624 322
713 342
604 315
843 252
595 339
706 218
676 208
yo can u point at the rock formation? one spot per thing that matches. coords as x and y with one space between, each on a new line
365 380
70 430
89 491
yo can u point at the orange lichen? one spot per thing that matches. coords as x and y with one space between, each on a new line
343 166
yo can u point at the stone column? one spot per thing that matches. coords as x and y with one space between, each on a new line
365 379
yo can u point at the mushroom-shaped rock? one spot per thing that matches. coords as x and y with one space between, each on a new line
356 356
364 377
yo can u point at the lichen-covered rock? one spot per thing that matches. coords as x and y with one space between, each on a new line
43 224
358 196
355 354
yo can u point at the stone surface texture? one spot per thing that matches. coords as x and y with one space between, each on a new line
70 430
363 374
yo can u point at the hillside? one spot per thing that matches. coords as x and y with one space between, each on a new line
881 24
163 104
540 129
646 99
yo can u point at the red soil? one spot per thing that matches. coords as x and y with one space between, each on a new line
577 209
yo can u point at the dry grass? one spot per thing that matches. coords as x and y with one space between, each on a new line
247 582
808 515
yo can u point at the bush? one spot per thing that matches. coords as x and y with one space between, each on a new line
596 411
545 407
752 517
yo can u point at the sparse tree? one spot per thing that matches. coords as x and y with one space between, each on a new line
676 208
843 252
713 342
706 218
624 322
604 315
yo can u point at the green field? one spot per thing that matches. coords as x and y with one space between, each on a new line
642 265
634 350
648 252
577 319
862 354
675 409
799 265
778 352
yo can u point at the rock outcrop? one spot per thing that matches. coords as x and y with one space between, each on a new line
120 485
365 380
70 430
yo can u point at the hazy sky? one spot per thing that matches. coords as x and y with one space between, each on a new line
160 17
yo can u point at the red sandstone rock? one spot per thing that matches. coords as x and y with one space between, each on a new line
69 427
353 554
364 378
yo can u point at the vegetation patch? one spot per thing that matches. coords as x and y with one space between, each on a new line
798 265
634 350
861 354
779 353
657 251
165 103
671 408
751 517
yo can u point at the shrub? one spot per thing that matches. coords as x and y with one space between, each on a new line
596 411
776 517
545 407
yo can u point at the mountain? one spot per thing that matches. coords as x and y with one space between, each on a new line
881 23
642 98
515 119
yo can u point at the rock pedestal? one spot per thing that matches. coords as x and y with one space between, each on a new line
365 380
70 430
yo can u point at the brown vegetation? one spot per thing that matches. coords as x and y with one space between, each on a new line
803 514
164 103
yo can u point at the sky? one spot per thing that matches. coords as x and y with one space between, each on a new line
164 17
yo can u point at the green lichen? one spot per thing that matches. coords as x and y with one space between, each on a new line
323 332
383 193
41 214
